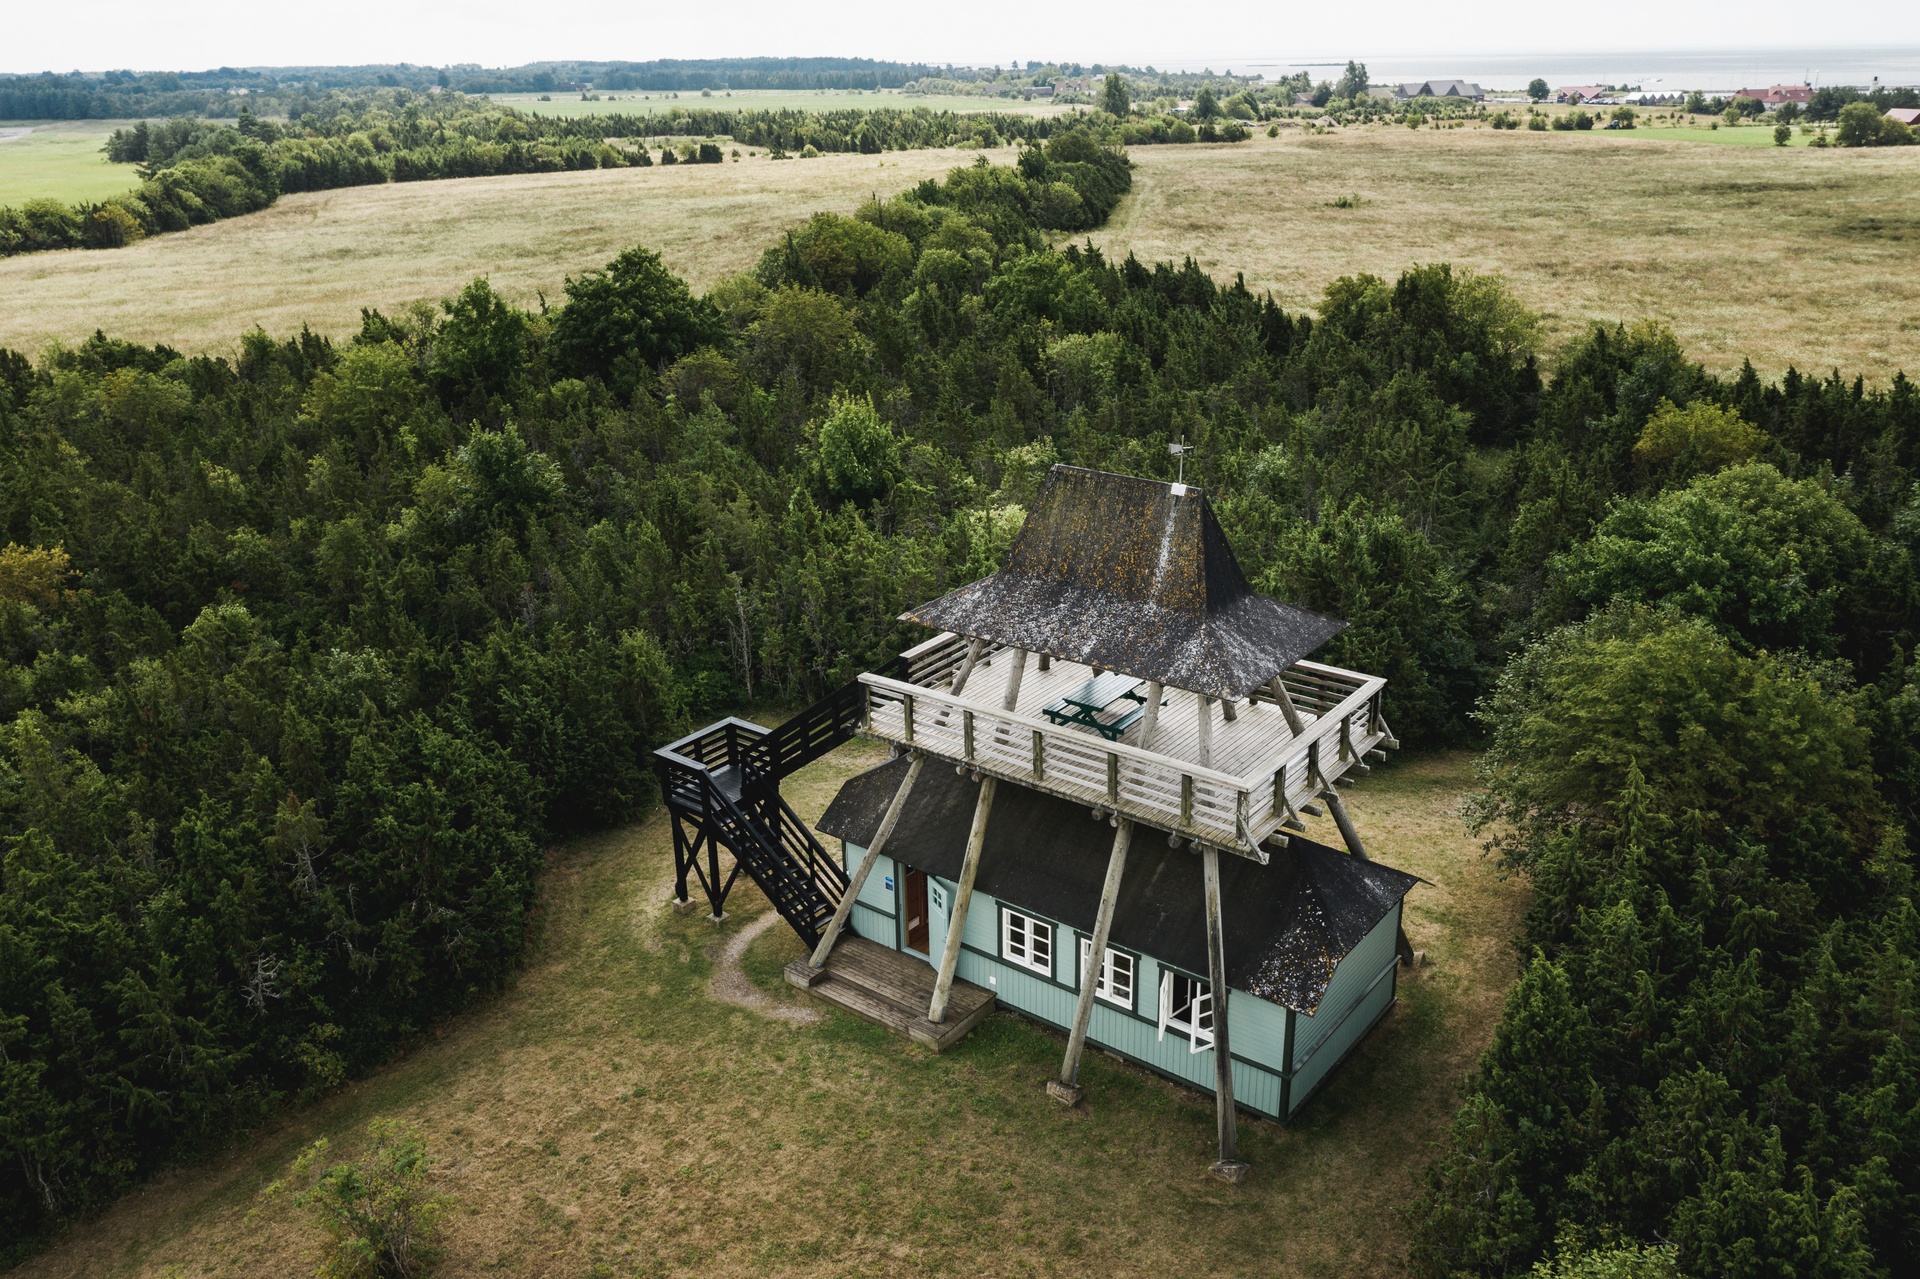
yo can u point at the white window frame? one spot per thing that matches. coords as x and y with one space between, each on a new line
1019 942
1113 963
1199 1029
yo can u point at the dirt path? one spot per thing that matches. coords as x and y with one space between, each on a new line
731 986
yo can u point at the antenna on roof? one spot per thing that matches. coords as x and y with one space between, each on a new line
1180 448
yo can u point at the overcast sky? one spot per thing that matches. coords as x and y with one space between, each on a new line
197 34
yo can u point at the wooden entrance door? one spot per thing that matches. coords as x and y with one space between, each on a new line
916 895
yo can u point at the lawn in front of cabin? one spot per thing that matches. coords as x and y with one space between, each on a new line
607 1116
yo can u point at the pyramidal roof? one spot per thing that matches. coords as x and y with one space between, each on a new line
1133 576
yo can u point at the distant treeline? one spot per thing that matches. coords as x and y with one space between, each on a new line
284 90
196 171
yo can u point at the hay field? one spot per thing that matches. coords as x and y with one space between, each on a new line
1788 256
317 258
60 160
608 1117
639 102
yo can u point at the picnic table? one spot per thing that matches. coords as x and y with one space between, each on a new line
1084 706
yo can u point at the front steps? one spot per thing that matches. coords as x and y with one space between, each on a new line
892 990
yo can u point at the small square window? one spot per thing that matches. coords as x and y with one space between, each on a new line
1027 942
1115 984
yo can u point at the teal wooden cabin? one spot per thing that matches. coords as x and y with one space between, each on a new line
1313 932
1092 815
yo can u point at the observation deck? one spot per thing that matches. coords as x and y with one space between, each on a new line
1232 784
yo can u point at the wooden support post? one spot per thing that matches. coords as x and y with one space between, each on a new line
1227 1167
859 880
1345 823
1012 702
1229 709
1155 690
1295 724
974 648
1066 1089
962 898
1046 662
1203 709
1401 946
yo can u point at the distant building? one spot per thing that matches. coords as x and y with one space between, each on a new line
1577 93
1037 91
1407 90
1909 116
1779 95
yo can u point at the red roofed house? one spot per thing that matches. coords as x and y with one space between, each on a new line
1909 116
1779 95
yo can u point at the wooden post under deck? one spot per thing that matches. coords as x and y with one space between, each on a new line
1203 707
962 898
1345 823
1401 945
859 881
1066 1089
1227 1167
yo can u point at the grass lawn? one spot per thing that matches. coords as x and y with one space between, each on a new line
60 160
1786 256
635 101
606 1116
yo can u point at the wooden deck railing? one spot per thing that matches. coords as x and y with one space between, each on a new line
1233 811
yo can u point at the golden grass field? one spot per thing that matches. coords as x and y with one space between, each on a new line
606 1116
317 258
1785 256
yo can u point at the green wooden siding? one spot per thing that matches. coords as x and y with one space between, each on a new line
873 910
1361 989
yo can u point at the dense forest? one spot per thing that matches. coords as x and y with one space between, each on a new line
194 171
309 653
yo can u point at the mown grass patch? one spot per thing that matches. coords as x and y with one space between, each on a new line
60 160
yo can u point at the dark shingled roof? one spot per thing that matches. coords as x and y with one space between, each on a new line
1134 576
1287 923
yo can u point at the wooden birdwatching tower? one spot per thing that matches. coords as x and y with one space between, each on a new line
1120 667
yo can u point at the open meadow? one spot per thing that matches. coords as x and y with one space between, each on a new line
60 160
636 102
1801 256
317 258
614 1114
1797 256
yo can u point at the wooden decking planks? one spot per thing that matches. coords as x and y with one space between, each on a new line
890 989
1259 732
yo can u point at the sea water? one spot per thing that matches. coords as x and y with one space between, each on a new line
1666 72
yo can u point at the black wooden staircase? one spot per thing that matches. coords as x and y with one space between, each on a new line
722 787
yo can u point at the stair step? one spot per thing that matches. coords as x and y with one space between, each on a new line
893 990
